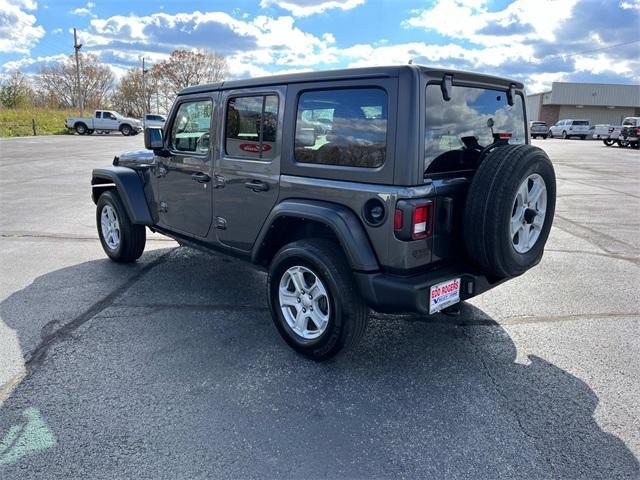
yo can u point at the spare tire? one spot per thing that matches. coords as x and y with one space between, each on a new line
509 210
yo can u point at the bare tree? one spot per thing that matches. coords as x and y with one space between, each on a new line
16 91
186 68
129 95
58 82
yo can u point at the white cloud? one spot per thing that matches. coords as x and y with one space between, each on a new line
303 8
84 11
18 29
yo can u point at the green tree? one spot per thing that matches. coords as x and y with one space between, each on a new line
16 91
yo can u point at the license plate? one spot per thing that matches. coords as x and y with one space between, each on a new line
444 295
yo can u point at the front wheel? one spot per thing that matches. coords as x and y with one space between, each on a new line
125 130
608 141
81 128
121 240
550 134
564 135
313 298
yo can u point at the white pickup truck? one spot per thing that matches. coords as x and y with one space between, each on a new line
104 121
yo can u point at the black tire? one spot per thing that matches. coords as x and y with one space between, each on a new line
132 237
544 137
126 130
623 143
81 128
608 141
564 135
348 313
550 134
583 137
635 145
490 204
90 132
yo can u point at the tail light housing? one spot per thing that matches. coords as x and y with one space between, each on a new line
413 219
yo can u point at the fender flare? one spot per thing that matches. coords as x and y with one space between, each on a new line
129 187
340 219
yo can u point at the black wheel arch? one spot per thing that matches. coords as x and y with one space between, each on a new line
130 188
323 219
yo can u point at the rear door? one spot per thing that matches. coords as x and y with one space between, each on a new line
184 177
247 168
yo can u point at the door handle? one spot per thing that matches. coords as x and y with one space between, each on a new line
201 177
257 186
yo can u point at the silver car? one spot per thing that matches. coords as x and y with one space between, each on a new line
570 128
538 129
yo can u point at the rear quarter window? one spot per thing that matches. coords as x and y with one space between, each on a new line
343 127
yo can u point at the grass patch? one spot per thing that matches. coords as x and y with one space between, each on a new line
17 123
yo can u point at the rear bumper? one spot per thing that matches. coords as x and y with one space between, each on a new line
388 293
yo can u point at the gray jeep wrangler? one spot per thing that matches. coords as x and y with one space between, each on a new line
398 189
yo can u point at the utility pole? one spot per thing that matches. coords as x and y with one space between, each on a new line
144 88
77 46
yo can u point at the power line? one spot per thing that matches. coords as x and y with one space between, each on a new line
592 51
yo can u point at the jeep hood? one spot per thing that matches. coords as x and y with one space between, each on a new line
136 158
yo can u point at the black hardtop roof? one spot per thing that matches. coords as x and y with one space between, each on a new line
345 74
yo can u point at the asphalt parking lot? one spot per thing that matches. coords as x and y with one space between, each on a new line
171 368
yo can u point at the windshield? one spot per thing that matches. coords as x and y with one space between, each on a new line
457 130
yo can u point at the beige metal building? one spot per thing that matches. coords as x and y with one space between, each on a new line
600 103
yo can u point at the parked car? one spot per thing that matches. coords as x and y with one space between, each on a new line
607 133
630 132
570 128
538 129
358 215
154 120
104 121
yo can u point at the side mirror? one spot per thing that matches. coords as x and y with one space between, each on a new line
153 138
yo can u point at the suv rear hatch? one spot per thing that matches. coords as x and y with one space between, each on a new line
456 132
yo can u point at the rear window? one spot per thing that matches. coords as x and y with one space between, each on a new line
346 127
539 124
457 130
581 122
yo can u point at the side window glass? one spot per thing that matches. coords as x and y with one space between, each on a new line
97 114
251 127
190 131
346 127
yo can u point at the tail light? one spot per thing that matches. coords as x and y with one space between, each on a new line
413 219
421 221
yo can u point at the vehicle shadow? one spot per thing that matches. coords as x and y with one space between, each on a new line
181 374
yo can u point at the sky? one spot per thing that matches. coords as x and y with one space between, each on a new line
533 41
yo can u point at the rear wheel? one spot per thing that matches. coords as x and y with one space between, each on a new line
544 137
509 210
313 298
635 145
608 141
550 134
564 135
622 143
121 240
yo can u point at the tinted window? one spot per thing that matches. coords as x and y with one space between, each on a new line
539 124
342 127
251 127
97 114
581 122
191 126
457 130
109 115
